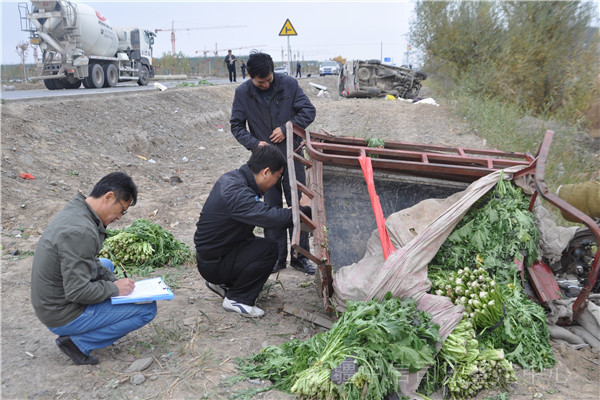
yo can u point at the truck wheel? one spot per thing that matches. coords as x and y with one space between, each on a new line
96 76
144 76
49 83
58 84
111 75
72 83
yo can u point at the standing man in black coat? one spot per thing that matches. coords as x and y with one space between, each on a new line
261 108
230 61
235 263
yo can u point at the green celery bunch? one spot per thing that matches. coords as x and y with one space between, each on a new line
465 368
380 338
142 247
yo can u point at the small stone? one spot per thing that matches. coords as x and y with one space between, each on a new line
138 379
254 381
140 365
112 384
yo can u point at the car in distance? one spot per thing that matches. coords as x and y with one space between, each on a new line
329 68
281 70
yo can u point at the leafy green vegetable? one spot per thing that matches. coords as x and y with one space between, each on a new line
498 229
142 247
523 333
379 337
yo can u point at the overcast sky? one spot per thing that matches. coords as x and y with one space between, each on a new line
361 30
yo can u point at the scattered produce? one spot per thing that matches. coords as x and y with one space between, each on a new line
142 247
379 338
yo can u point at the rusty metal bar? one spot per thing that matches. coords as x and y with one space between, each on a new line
291 170
542 189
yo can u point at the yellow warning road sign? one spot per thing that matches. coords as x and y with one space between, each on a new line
288 29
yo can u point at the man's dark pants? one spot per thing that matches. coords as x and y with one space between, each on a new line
232 73
244 270
273 198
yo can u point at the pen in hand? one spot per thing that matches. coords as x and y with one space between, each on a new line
124 272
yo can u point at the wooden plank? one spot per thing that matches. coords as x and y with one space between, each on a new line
308 316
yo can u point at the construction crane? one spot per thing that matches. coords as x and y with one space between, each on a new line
174 53
216 51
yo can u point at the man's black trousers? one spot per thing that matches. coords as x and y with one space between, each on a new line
244 270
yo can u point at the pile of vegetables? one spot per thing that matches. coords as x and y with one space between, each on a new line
378 337
476 291
496 230
476 268
464 369
142 247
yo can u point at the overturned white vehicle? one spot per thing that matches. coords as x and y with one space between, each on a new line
373 79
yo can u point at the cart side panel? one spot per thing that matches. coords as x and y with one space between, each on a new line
350 220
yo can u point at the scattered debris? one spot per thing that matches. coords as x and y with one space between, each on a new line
26 176
160 86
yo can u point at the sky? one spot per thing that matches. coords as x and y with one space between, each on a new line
352 30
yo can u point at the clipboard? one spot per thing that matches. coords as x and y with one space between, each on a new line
146 290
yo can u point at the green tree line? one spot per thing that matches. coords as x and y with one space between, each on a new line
540 55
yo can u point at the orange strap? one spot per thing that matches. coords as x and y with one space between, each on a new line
386 243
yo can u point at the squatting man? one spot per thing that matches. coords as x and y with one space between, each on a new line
234 262
71 288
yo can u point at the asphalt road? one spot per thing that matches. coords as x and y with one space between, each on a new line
10 95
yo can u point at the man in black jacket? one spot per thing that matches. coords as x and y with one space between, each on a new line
230 60
235 263
261 108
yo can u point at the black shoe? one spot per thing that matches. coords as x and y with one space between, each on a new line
279 265
302 264
69 348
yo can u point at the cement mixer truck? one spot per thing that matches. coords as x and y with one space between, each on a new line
79 46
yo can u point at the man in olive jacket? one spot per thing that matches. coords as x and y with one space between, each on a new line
261 107
71 287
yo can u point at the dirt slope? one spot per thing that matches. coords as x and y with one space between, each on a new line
68 144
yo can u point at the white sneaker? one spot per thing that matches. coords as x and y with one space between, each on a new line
218 289
242 309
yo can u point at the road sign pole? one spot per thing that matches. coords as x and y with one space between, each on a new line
289 68
288 30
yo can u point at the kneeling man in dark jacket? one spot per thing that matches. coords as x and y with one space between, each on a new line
235 263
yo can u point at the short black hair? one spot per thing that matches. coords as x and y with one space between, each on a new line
120 184
266 157
259 64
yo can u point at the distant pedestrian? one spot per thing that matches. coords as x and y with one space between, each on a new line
298 70
243 68
230 62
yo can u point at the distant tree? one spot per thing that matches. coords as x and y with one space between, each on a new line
339 59
22 50
541 55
